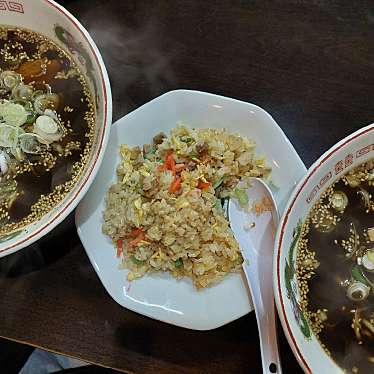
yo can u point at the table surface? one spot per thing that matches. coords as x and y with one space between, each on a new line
308 63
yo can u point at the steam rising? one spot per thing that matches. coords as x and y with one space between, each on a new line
137 60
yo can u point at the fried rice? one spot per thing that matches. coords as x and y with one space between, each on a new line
165 212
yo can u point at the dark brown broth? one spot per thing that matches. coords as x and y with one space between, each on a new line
32 185
326 291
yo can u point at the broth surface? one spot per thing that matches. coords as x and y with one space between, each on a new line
334 270
41 168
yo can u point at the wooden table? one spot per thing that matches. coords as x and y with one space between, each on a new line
309 63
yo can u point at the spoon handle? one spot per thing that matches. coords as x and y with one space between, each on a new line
265 315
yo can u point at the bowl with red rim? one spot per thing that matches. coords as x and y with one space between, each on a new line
350 152
51 20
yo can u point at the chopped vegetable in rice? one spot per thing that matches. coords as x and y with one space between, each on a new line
165 211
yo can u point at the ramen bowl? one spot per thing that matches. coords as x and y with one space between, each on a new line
49 19
345 155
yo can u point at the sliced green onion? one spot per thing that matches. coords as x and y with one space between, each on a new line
10 79
9 135
36 94
136 261
25 103
186 139
242 197
18 153
193 155
217 183
48 129
46 101
22 91
46 124
178 263
31 118
217 204
13 114
151 152
358 275
31 143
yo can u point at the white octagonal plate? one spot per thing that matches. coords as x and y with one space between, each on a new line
160 296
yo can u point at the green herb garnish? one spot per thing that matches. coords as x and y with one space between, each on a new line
358 275
217 204
178 263
186 139
217 183
152 151
193 155
136 261
242 197
31 118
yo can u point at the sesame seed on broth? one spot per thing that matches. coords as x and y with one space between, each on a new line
335 270
33 182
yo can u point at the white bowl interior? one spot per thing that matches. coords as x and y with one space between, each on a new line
348 153
50 19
